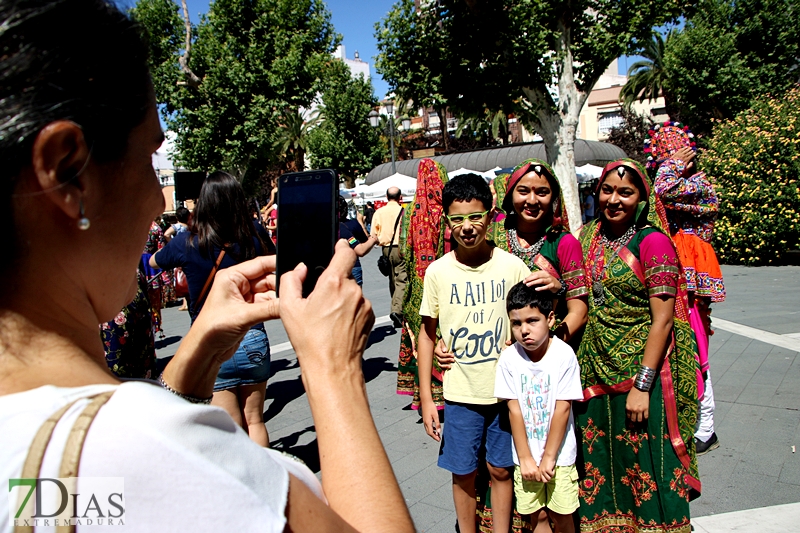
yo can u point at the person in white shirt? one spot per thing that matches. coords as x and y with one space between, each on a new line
540 377
78 194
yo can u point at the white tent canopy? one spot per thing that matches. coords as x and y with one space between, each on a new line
377 191
488 175
588 173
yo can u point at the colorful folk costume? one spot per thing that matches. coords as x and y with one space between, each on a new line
556 252
692 207
424 238
636 477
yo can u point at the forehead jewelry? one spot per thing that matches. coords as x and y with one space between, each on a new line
621 171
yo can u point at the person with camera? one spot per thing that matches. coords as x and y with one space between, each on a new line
79 194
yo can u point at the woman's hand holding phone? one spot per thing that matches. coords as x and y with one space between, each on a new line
241 296
337 312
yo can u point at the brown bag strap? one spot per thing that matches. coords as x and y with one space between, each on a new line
208 281
70 460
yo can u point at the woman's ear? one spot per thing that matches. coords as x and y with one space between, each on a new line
58 158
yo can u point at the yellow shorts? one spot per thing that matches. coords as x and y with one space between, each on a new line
560 494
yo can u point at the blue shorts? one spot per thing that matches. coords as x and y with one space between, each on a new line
470 427
249 365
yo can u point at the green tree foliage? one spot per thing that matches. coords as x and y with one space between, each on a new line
537 59
630 135
344 139
293 136
729 53
249 62
648 78
755 161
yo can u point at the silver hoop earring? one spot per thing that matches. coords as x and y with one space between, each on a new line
83 222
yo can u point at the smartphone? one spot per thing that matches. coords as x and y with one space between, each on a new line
307 227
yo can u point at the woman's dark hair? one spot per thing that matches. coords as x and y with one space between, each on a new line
78 60
341 209
222 220
182 214
466 188
511 219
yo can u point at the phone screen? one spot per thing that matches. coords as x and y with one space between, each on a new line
306 223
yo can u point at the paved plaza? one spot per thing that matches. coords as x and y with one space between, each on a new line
755 365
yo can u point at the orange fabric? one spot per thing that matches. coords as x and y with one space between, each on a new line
700 264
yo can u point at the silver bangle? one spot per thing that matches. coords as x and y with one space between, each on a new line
190 399
644 379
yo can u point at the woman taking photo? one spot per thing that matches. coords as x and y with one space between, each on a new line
78 194
638 366
222 235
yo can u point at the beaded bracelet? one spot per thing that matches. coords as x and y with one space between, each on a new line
190 399
562 291
644 379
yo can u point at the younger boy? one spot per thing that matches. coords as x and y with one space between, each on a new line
464 295
539 376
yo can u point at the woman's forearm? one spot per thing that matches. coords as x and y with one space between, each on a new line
360 489
575 321
662 312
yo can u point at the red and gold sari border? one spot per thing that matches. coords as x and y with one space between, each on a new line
577 292
633 263
662 290
628 523
603 389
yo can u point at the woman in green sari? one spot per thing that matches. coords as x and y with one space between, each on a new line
637 367
423 239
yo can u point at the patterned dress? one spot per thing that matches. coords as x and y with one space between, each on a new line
635 477
424 237
128 339
155 241
691 207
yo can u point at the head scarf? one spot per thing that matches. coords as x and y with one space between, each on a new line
423 239
650 210
665 140
425 222
560 219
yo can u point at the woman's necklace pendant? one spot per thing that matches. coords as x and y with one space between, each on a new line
597 293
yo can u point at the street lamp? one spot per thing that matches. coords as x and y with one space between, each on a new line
373 120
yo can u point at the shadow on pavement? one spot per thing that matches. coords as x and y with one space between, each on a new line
280 365
374 367
163 343
380 333
308 453
282 394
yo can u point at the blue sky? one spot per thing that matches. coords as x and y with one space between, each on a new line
355 21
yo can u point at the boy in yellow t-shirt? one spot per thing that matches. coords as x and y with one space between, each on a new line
465 296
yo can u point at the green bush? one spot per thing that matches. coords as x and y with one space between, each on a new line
754 160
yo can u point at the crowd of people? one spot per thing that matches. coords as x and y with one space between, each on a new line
587 397
566 377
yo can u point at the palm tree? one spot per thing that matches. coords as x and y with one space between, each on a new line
648 79
292 138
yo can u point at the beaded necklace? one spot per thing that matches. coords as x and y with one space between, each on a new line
599 265
530 252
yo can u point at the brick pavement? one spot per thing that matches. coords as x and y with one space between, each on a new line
757 387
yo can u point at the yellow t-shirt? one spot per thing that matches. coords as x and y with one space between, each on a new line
470 304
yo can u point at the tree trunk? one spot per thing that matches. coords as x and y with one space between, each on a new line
443 128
